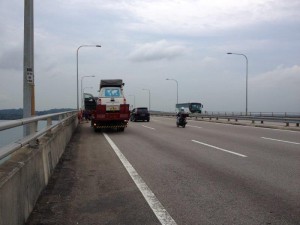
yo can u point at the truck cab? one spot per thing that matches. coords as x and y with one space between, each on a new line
112 97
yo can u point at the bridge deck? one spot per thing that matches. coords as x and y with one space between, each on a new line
91 186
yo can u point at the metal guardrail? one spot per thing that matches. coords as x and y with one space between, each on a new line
34 135
261 119
287 118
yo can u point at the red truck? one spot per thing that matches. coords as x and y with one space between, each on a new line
111 108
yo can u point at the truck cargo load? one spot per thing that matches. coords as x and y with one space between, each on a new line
111 83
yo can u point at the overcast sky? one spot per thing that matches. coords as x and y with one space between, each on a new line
146 41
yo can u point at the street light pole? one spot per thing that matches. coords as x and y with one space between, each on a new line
81 88
230 53
149 97
28 67
177 87
98 46
133 100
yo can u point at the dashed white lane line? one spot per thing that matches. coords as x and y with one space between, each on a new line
148 127
290 142
194 126
158 209
221 149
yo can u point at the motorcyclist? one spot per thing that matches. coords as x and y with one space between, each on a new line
180 113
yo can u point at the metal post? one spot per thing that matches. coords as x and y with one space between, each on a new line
77 69
28 66
177 87
230 53
133 100
149 97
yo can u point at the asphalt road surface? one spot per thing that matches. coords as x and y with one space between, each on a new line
206 173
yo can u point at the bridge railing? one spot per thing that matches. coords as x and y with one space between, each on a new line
286 118
53 120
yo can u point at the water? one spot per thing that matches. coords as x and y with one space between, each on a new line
14 134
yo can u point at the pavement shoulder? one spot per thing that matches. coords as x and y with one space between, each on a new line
91 186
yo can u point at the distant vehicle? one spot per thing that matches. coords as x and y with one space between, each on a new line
140 113
111 110
191 107
89 105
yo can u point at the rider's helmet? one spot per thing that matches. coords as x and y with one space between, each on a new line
182 109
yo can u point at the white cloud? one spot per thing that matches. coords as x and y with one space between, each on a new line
279 78
182 39
201 17
157 51
276 90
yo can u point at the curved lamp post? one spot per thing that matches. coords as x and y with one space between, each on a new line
231 53
177 87
149 96
98 46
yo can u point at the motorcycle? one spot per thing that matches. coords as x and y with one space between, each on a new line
181 119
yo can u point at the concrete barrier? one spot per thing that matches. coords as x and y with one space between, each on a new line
26 174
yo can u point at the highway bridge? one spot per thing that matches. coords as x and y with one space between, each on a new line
156 173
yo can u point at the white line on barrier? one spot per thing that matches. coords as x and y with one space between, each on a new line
221 149
290 142
158 209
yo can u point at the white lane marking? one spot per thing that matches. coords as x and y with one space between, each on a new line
224 150
158 209
290 142
148 127
193 126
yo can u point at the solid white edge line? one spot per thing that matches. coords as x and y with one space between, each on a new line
224 150
148 127
290 142
158 209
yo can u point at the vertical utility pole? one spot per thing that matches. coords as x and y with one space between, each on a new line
28 66
177 87
149 96
231 53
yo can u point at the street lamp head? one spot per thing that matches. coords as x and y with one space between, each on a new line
229 53
87 76
167 79
98 46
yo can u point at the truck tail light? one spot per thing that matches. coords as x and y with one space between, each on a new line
121 108
101 108
124 108
99 101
